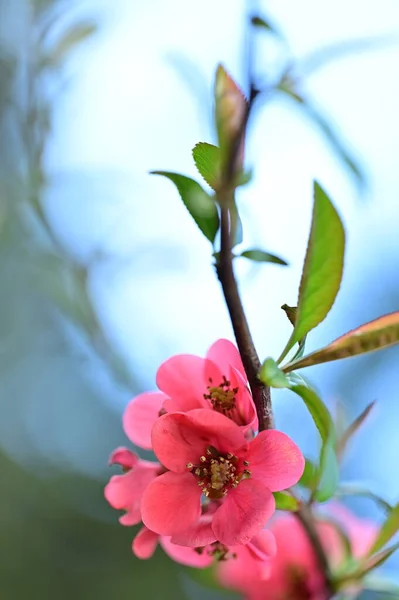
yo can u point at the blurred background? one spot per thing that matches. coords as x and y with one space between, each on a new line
103 275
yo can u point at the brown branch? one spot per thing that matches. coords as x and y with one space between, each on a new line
305 516
246 347
225 271
250 358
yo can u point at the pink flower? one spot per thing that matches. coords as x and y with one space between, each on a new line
217 382
209 457
251 559
124 492
295 571
146 541
249 562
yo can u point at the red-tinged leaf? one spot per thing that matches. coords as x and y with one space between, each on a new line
352 429
377 334
357 572
230 115
199 204
291 312
378 559
322 270
388 529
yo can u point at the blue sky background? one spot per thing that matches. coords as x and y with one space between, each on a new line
128 110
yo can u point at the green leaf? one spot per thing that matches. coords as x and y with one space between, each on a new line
207 160
328 471
236 224
72 38
261 256
271 375
322 271
355 489
199 204
262 23
388 529
352 429
318 410
285 501
297 379
244 177
377 334
309 477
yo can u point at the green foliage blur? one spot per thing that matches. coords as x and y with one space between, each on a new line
58 537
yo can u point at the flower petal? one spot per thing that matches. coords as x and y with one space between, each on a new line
243 513
243 572
181 377
224 354
123 457
179 439
245 406
144 543
186 556
171 503
198 535
139 417
361 533
263 545
124 492
275 459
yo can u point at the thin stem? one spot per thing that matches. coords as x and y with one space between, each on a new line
305 516
246 347
225 273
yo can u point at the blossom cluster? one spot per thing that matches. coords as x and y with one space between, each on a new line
209 497
210 494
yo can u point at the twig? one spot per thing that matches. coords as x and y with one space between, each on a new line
246 347
225 271
250 358
305 516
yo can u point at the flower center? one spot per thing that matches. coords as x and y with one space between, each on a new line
218 472
222 397
217 550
